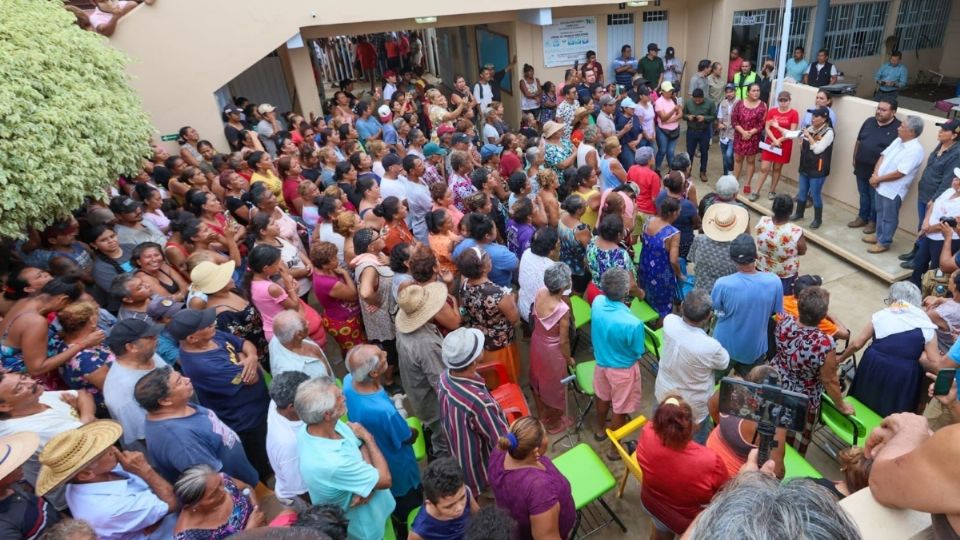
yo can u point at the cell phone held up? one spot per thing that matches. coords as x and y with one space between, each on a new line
951 221
944 382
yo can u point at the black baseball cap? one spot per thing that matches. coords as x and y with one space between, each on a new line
232 109
459 138
190 321
822 112
950 125
804 281
128 331
653 47
743 250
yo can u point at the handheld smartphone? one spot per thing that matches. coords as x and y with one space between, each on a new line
944 382
576 64
763 403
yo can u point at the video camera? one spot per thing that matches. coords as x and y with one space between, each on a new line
770 406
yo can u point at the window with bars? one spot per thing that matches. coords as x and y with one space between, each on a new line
921 24
654 16
855 30
772 21
615 19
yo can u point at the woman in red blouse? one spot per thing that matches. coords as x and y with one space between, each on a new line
679 476
777 122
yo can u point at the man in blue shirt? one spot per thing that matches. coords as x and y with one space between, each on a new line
798 66
370 406
367 126
483 236
342 463
744 303
225 370
618 343
180 434
891 77
625 67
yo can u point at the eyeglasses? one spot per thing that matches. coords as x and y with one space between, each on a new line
783 100
888 301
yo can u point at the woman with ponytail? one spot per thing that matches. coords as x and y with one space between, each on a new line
680 476
528 486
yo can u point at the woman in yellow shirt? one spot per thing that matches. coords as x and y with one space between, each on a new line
263 171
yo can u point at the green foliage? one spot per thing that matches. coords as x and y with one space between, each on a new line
69 122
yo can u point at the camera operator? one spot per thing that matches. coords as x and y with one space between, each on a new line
916 469
932 236
733 436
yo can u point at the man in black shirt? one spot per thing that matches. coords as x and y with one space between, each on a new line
875 135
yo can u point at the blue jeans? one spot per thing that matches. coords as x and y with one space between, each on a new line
888 217
701 140
627 157
928 257
665 147
813 185
868 198
921 213
726 151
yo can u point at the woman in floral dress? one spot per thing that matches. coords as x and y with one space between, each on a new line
747 119
780 243
660 258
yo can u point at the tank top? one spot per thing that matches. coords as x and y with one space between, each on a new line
528 104
607 179
583 151
730 431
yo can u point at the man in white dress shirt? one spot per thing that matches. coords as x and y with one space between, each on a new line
892 176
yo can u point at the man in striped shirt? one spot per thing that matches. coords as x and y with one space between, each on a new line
472 419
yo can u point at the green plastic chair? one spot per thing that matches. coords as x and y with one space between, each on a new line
852 430
581 318
653 340
583 384
388 532
589 480
795 466
581 311
412 516
642 310
637 248
419 445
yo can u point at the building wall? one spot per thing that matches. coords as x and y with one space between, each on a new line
851 112
950 63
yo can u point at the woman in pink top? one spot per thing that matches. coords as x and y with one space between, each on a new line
337 293
668 114
679 476
272 289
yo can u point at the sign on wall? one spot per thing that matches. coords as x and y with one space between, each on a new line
567 40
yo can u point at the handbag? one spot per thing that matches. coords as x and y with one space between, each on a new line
671 133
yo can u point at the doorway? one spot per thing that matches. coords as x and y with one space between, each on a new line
620 32
746 34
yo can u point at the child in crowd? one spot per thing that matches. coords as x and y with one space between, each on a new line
447 506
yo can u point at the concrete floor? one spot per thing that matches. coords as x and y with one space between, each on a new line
855 295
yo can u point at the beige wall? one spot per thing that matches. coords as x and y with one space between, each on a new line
184 50
950 63
851 112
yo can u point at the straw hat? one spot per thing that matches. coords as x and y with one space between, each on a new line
418 304
73 450
551 128
580 114
16 449
209 277
722 222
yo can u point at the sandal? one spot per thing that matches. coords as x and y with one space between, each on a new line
599 437
772 195
753 197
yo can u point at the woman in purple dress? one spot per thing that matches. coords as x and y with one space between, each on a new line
528 486
550 347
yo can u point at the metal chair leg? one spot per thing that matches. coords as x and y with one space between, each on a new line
612 514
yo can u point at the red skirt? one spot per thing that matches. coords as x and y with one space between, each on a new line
347 334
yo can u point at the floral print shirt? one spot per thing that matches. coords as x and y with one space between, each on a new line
777 250
482 304
554 154
461 187
601 260
801 352
83 363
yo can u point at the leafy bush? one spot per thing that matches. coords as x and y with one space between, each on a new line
69 122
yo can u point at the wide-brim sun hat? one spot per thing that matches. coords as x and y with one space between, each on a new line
209 277
418 304
551 128
69 452
16 449
722 222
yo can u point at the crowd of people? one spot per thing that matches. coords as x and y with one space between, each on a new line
277 312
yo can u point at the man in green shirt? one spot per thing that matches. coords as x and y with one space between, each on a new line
651 67
699 114
744 78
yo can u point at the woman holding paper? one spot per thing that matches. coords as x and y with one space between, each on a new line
778 146
815 155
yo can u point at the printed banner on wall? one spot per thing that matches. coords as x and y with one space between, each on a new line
568 40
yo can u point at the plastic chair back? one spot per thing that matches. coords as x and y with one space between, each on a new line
493 368
511 401
419 445
848 428
643 311
617 436
412 516
581 311
653 340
